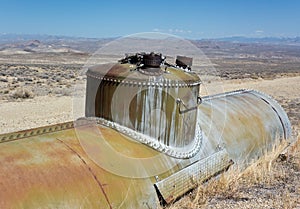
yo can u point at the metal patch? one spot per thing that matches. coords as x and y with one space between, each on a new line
188 178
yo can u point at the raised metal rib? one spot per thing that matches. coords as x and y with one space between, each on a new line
182 153
35 131
222 95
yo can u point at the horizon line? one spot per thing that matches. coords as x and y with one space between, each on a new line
116 37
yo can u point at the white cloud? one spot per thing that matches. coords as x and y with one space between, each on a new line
259 31
173 31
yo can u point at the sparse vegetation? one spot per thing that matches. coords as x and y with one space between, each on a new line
267 183
28 80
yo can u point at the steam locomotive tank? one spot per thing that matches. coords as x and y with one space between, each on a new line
147 138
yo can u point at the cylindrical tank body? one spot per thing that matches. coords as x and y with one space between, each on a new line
245 122
146 102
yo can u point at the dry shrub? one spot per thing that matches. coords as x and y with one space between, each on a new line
63 91
294 157
225 186
295 148
260 171
22 93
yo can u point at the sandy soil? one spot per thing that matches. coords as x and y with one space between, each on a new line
287 87
31 113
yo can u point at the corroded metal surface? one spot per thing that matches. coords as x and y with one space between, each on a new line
53 171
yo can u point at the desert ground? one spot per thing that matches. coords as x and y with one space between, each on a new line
37 89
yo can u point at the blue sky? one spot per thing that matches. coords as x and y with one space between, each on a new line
189 19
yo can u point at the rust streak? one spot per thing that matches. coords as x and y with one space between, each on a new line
90 170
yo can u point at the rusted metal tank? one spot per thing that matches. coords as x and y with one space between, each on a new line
146 99
147 138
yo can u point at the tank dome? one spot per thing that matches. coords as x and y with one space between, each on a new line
145 93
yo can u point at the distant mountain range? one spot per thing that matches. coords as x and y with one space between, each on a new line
50 43
272 40
24 44
9 38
